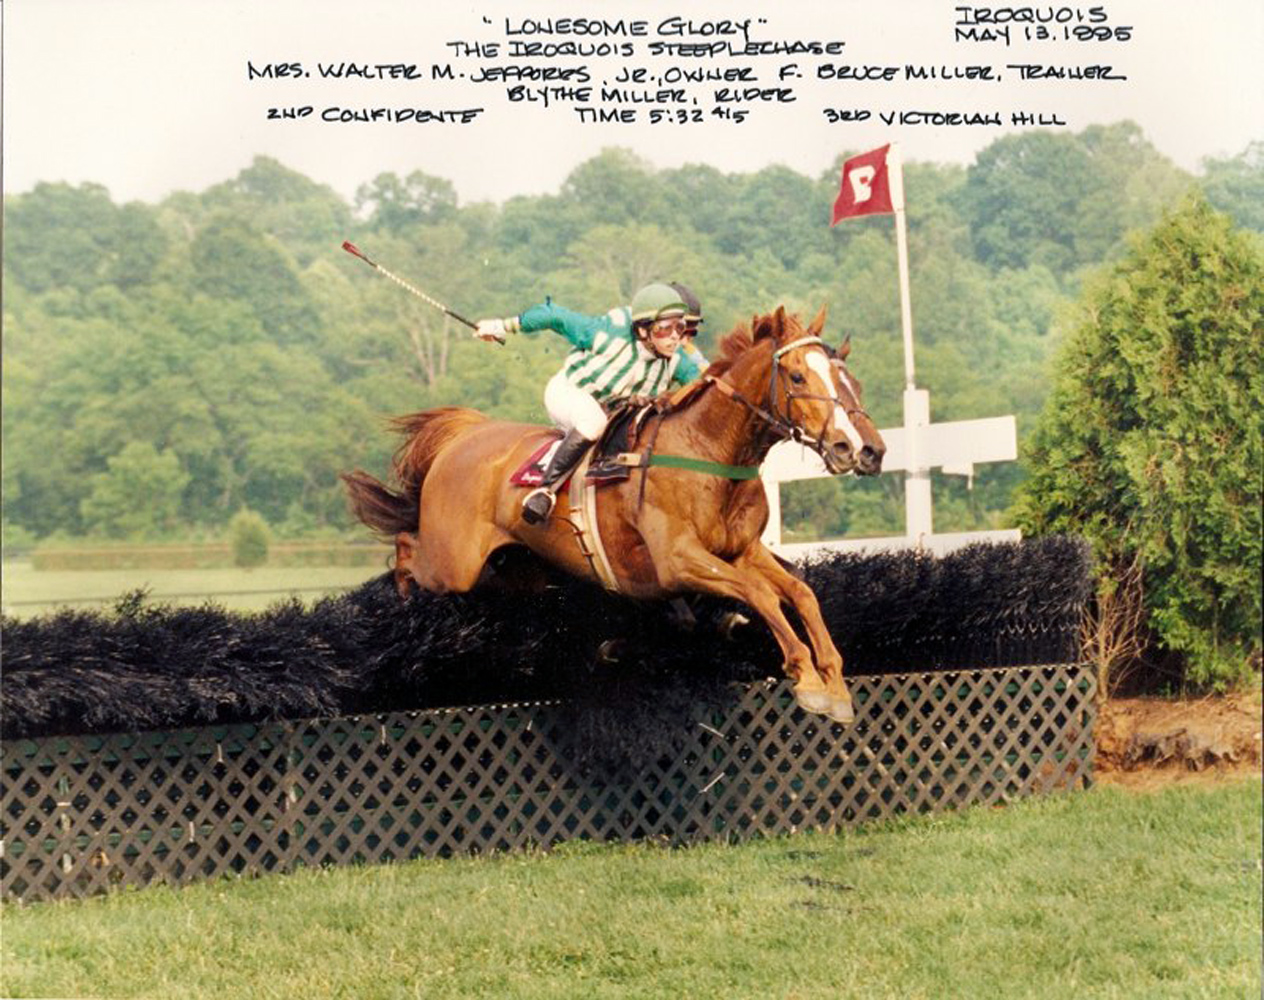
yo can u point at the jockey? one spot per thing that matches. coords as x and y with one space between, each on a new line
693 319
630 351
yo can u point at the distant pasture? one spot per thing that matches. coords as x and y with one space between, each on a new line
27 592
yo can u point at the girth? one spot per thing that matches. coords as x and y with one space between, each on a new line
583 521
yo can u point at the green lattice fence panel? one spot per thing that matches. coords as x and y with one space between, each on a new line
83 814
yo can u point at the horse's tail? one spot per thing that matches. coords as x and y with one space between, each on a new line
377 505
425 435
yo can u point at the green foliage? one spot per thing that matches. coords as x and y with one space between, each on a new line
15 540
304 217
398 206
1151 440
63 237
1063 201
233 260
825 508
1236 186
249 536
611 263
616 184
138 495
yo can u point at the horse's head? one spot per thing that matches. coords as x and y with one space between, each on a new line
816 397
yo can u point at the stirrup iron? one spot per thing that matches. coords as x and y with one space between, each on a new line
533 510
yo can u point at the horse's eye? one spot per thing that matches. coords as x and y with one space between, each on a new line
796 378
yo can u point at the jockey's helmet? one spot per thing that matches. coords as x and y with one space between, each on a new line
657 301
693 308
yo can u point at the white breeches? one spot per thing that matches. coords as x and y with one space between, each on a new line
573 409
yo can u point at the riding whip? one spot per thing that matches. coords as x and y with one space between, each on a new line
355 251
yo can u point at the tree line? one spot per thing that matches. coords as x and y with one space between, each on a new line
169 365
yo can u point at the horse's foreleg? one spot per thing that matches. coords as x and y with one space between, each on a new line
792 590
692 567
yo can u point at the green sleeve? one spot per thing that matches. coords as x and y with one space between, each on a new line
687 370
575 327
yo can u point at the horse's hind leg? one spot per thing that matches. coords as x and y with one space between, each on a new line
437 565
405 548
452 560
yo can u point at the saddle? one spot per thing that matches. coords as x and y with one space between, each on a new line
622 431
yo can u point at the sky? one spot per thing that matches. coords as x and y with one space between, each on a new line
148 97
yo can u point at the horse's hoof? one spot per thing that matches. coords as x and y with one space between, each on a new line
841 710
816 702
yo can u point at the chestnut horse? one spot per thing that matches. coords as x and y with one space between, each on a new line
666 529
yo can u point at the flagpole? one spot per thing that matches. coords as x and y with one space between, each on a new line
895 170
918 520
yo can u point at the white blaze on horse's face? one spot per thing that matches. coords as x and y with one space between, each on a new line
822 368
845 375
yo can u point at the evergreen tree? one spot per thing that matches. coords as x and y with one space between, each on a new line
1151 441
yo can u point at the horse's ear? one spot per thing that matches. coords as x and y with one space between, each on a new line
779 318
818 324
761 327
845 348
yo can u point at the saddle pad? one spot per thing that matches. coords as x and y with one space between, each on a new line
531 472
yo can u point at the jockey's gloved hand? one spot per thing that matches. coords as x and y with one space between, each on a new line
495 329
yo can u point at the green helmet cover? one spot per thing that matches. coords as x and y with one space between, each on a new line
655 301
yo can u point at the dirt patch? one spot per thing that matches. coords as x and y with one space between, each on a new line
1154 742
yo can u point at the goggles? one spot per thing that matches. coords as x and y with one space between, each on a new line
674 327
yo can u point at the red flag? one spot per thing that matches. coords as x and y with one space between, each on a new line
865 188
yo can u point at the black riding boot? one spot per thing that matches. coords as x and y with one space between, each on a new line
538 504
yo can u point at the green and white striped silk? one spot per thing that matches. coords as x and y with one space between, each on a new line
619 366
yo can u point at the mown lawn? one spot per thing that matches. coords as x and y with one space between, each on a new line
28 592
1098 894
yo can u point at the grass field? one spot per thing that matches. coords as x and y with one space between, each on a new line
1098 894
27 592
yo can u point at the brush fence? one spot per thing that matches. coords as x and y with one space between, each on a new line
84 814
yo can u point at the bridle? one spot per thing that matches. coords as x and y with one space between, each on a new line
780 426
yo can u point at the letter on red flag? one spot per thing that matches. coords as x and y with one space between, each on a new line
865 188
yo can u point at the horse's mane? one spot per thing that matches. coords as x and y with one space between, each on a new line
733 345
738 340
736 343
